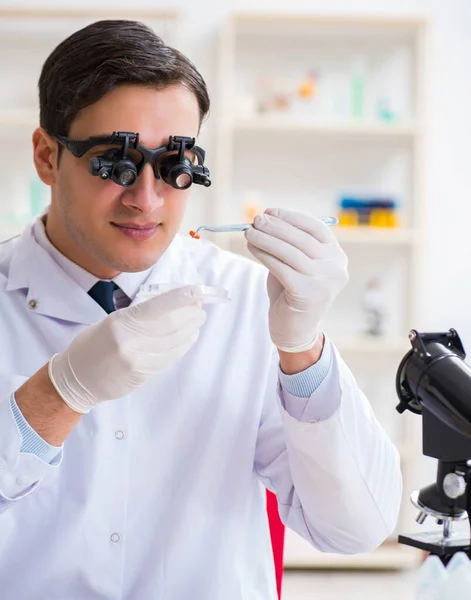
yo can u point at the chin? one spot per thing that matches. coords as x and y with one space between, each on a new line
135 266
140 262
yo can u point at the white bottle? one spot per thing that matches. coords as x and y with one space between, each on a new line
458 585
431 580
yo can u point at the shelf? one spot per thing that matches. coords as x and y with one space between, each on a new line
281 124
346 236
353 20
300 554
375 235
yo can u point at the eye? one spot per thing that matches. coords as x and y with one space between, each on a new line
192 156
112 153
116 153
104 151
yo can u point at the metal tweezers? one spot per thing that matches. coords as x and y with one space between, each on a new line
244 226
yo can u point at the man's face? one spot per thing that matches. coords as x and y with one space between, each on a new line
107 228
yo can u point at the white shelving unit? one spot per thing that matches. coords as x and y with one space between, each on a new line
27 36
305 156
300 126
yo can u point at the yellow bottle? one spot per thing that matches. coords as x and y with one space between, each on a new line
348 218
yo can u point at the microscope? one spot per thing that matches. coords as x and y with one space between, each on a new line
434 381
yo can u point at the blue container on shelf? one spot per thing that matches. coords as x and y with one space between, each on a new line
372 211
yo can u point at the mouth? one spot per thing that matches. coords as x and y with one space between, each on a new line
137 231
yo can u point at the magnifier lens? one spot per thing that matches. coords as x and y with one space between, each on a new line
125 173
127 177
183 180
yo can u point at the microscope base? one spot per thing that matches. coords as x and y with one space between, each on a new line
433 542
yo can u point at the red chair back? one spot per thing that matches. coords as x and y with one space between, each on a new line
277 533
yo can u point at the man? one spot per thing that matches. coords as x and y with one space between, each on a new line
137 438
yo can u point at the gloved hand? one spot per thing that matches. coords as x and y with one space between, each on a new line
120 353
307 268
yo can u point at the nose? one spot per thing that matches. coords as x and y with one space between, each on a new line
146 194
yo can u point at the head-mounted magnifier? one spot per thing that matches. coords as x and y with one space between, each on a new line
180 163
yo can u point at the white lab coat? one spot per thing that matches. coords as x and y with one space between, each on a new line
160 494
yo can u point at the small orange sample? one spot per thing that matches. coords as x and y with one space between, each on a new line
195 235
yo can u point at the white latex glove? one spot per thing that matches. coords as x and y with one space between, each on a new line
307 268
120 353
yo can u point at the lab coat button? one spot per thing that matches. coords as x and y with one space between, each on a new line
119 434
20 481
115 537
2 463
33 304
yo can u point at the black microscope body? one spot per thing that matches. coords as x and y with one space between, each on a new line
434 381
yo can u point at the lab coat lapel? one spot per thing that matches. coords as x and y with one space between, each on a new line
49 290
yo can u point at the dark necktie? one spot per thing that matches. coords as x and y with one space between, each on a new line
102 293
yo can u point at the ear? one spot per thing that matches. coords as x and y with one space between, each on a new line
45 155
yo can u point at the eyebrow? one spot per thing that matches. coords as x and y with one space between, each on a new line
104 135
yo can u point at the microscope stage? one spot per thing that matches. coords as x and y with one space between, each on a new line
435 543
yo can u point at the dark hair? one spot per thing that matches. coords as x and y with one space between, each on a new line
94 60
